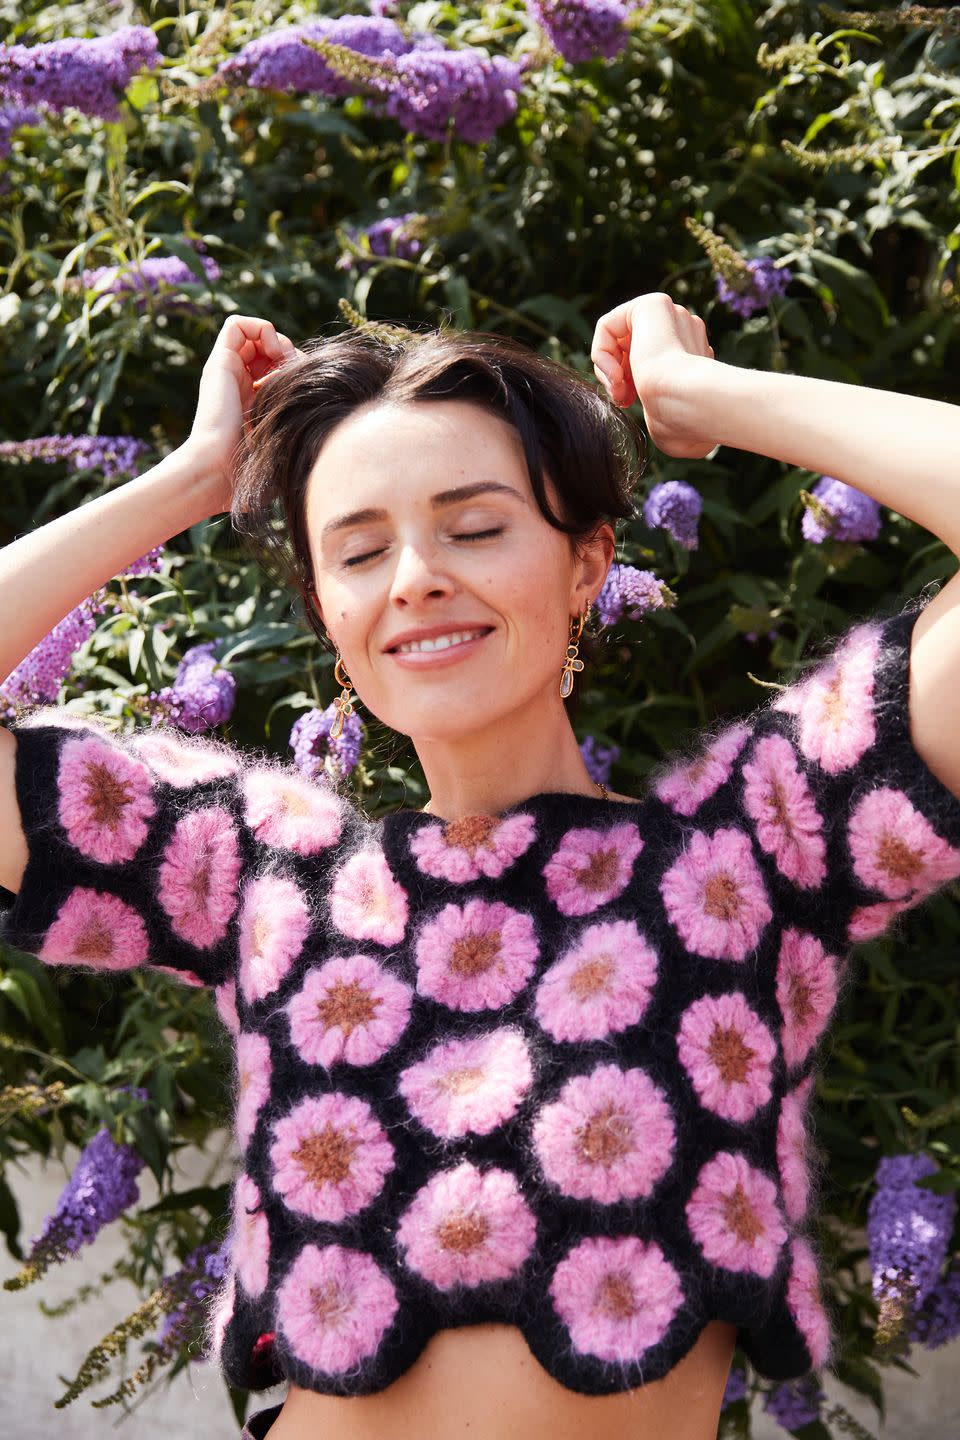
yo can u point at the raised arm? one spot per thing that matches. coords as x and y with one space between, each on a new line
901 449
45 574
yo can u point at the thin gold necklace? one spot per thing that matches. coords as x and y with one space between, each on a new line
603 789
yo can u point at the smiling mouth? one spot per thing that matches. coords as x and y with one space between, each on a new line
438 642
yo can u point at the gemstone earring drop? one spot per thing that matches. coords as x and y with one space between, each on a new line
572 661
343 705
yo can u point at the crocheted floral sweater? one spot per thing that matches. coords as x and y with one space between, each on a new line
549 1067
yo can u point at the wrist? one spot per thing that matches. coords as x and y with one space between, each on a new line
193 486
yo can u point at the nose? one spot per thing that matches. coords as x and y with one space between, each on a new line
418 577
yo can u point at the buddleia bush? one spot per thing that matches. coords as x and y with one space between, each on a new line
790 173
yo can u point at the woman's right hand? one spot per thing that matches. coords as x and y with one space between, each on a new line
244 353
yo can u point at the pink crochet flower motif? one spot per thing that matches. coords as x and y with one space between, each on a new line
805 1303
834 703
105 799
330 1156
274 923
727 1051
806 993
792 1151
686 786
734 1217
97 929
476 845
183 763
896 850
617 1296
289 811
789 827
469 1086
219 1317
349 1009
334 1306
467 1226
599 987
225 999
197 884
715 896
475 956
867 922
254 1069
591 867
366 902
250 1237
608 1136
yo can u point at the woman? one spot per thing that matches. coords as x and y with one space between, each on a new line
522 1076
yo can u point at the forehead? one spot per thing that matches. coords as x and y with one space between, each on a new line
391 451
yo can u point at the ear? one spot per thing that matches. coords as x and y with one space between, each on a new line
593 558
313 599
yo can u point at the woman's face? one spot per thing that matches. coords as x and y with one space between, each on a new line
447 593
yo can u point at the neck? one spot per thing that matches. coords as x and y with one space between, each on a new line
529 752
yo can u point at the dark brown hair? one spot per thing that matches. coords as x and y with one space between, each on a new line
591 452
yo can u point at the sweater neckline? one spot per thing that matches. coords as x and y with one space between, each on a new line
548 802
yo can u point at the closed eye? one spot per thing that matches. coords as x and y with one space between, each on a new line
466 535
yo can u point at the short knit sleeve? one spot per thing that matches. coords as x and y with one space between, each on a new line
849 824
143 849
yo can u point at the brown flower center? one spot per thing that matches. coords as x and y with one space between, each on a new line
291 802
721 897
107 796
462 1081
777 801
591 976
259 933
326 1156
799 999
95 942
328 1303
834 703
347 1004
600 871
474 954
741 1217
615 1295
471 833
896 857
462 1233
729 1054
606 1136
200 879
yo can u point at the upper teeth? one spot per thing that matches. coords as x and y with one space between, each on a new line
439 642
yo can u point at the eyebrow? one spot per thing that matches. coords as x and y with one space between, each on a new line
437 502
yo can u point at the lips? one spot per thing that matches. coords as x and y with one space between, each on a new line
434 639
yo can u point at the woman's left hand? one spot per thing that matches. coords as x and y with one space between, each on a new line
648 349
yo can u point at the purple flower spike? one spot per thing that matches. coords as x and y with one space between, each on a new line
397 235
908 1230
850 514
583 29
192 1285
102 1186
631 592
282 61
599 759
113 454
313 748
433 90
89 75
202 694
156 275
736 1389
11 118
796 1403
937 1321
765 283
149 564
675 507
38 677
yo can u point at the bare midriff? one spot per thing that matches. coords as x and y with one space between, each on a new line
481 1382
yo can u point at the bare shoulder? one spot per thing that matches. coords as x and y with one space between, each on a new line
13 844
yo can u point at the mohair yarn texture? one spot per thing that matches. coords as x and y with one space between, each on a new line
549 1068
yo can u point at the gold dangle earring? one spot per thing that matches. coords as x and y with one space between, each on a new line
572 662
343 705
